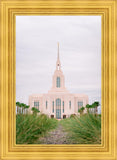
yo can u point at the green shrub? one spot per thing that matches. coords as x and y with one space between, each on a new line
30 127
35 110
72 115
84 130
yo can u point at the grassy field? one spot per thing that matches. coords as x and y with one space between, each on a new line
83 130
30 127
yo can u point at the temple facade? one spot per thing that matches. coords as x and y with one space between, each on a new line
58 103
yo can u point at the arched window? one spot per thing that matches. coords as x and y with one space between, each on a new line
58 82
58 102
58 108
80 104
36 104
63 106
69 104
53 106
46 104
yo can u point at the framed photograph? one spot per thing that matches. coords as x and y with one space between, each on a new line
69 69
58 79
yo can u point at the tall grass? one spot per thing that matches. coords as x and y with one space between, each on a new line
83 130
30 127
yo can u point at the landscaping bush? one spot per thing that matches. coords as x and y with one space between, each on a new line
84 130
72 115
30 127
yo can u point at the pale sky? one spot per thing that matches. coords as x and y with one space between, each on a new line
79 39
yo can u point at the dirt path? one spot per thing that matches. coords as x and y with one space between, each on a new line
57 136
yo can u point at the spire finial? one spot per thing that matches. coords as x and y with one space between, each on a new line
58 65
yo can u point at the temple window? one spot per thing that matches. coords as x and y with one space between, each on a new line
69 104
80 104
63 106
58 82
53 106
46 104
58 102
36 104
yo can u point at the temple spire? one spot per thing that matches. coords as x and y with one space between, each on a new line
58 50
58 64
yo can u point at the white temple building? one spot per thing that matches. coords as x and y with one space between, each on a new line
58 102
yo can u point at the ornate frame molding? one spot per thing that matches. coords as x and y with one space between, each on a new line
9 10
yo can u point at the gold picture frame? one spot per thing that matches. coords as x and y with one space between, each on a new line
9 10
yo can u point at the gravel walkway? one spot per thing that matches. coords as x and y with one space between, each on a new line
57 136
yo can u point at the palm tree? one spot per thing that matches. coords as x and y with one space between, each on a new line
88 106
18 105
81 110
35 110
22 106
26 107
95 105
